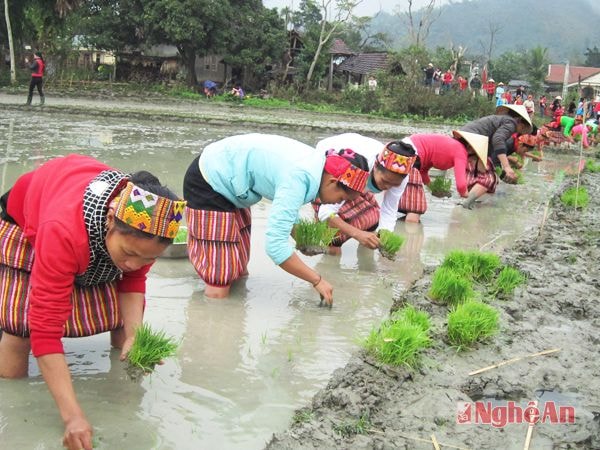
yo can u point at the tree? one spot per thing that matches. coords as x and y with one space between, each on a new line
592 57
537 66
13 72
256 36
508 66
340 11
419 22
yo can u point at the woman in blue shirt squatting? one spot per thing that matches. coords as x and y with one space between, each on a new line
233 174
360 217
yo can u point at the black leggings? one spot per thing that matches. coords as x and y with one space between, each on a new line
36 81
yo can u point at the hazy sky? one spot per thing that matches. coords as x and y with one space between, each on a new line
366 8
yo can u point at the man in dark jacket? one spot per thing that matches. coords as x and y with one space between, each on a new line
509 119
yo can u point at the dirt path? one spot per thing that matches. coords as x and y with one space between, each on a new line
366 406
206 112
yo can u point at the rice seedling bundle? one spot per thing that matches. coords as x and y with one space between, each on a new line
313 236
440 186
575 197
149 348
591 166
479 266
508 279
471 322
400 339
389 243
450 287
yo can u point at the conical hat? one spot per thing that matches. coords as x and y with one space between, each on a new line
478 142
519 109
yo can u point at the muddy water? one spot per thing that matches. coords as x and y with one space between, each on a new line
245 363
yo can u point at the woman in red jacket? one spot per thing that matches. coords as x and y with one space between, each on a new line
77 239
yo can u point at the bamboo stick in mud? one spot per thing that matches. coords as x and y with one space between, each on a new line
514 360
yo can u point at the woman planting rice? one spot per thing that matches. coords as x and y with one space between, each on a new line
235 173
78 238
359 218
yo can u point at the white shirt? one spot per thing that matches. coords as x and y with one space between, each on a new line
369 148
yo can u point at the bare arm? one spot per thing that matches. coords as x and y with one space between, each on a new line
131 305
78 431
294 266
366 238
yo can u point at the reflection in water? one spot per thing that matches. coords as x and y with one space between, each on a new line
247 362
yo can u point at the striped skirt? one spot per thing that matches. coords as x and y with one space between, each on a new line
219 244
488 179
95 308
361 213
413 198
550 136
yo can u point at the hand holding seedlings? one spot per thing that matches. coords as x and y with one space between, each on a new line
367 239
149 349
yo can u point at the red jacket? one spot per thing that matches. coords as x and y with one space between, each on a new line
39 68
490 87
442 152
47 204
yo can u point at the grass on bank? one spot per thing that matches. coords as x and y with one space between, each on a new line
508 279
390 243
440 186
400 339
575 197
310 233
150 347
592 166
471 322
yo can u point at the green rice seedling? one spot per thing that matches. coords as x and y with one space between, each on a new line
479 266
450 287
181 236
149 348
313 237
440 187
575 197
400 339
411 315
508 279
536 153
389 243
592 166
471 322
520 177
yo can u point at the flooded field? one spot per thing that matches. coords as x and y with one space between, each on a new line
245 363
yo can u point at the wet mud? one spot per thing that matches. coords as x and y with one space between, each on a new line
367 405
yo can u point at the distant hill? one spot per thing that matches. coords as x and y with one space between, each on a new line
566 29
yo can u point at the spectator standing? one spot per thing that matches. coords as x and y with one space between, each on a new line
529 105
490 88
543 106
372 83
475 85
462 83
500 94
37 67
429 71
447 80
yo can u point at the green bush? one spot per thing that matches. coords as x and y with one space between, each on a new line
471 322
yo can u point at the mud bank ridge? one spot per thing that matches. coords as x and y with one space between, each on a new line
369 406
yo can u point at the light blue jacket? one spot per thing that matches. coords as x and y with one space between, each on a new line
248 167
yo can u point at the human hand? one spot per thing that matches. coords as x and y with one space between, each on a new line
509 176
78 434
326 291
127 344
368 239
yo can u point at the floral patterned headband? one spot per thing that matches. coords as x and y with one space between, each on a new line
339 165
395 162
149 212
